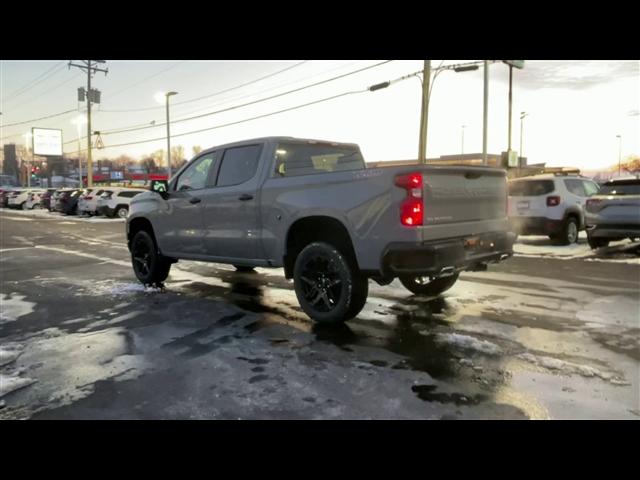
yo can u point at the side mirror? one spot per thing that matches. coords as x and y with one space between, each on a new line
161 187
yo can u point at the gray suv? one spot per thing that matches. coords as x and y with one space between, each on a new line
550 204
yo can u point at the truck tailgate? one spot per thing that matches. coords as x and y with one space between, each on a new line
463 194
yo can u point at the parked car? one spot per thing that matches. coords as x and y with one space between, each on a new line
67 202
87 203
314 208
55 196
34 199
5 192
614 213
115 201
18 198
550 204
45 198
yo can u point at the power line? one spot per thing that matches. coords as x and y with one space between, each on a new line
39 79
235 107
296 107
118 92
210 95
48 90
41 118
153 123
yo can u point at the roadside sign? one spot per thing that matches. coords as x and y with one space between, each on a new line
515 63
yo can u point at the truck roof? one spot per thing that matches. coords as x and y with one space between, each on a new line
279 139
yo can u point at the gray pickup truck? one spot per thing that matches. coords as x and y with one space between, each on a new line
314 208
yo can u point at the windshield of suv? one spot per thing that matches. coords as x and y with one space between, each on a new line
530 188
627 188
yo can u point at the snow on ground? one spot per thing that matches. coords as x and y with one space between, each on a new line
42 213
14 306
9 352
13 381
542 247
562 366
469 343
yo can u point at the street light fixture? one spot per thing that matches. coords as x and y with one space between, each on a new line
79 121
162 97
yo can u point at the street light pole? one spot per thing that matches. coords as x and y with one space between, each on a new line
424 116
485 114
510 104
522 115
463 127
166 100
619 137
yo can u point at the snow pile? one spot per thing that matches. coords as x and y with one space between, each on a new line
542 247
468 343
14 306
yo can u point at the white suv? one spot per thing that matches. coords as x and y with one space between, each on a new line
19 198
550 204
115 201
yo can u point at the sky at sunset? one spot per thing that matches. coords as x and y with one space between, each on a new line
576 108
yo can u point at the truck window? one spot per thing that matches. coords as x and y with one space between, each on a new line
294 159
239 165
591 188
195 177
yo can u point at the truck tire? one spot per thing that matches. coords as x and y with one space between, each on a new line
329 287
416 285
150 267
595 242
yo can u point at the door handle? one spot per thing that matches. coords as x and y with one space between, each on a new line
245 196
194 200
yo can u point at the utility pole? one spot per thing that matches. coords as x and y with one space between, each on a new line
510 102
424 115
90 68
485 115
619 154
522 115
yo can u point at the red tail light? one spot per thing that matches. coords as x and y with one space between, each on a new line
553 201
411 209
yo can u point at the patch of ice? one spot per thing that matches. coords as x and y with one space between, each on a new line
468 342
9 383
9 353
571 368
14 306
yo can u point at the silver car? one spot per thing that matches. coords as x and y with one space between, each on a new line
614 214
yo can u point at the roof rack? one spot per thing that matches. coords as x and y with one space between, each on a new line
564 171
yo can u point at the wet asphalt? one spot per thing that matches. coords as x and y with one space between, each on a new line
532 338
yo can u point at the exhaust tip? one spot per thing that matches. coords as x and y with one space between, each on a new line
504 256
446 271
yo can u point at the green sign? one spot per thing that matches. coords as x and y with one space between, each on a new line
515 63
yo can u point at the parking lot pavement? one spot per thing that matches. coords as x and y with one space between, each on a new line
537 337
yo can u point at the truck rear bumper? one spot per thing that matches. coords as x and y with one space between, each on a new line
447 256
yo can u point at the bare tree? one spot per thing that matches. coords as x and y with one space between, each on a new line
196 149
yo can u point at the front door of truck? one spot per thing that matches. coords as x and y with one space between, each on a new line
230 209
